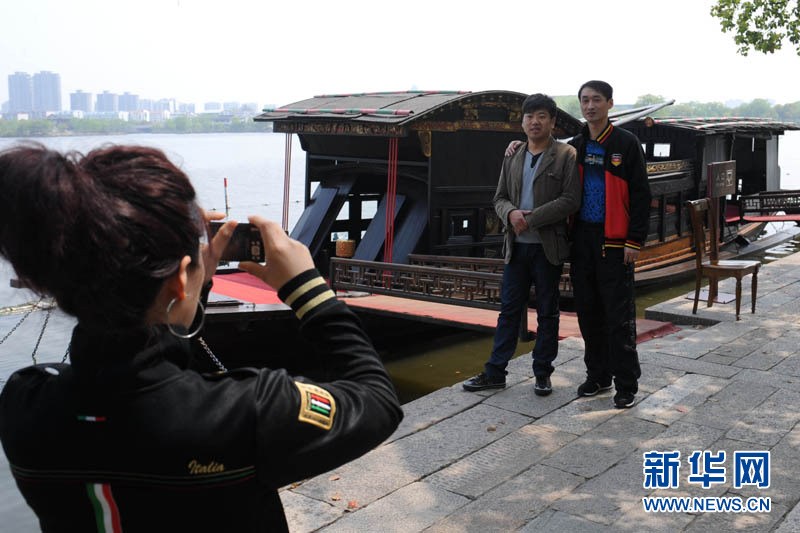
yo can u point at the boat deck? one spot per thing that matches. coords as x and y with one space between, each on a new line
246 288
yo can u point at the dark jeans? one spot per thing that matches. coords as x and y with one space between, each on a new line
528 265
606 308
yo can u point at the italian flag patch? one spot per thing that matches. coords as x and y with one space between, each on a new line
317 405
106 513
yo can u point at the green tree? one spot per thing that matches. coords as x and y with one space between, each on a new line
760 24
648 99
710 109
757 108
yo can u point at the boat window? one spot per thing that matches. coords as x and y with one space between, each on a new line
313 189
644 147
461 224
344 213
369 208
337 235
661 149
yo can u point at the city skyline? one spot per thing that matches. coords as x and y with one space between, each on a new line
41 92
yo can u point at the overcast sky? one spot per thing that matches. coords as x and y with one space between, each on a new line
281 52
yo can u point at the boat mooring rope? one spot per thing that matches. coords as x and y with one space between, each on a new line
49 306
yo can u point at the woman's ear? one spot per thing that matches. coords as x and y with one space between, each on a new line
176 285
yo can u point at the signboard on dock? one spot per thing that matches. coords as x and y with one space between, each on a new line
721 179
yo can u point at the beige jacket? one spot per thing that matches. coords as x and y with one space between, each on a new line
556 195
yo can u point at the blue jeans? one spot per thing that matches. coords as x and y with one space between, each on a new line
528 265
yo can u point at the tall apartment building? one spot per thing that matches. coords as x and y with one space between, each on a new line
165 104
20 93
80 101
212 106
128 102
107 102
46 92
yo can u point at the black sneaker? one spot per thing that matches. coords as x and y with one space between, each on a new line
591 387
484 381
624 400
543 386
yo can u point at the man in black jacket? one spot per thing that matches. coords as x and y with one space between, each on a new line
610 230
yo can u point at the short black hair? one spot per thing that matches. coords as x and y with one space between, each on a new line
538 101
602 87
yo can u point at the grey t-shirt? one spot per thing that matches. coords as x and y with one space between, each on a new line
526 199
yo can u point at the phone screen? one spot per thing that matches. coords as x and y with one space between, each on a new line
245 244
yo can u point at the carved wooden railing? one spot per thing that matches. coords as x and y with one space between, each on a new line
480 264
771 201
445 285
451 280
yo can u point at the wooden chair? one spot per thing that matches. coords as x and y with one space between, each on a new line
715 269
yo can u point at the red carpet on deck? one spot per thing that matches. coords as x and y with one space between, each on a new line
243 286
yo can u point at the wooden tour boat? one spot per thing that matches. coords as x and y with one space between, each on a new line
431 159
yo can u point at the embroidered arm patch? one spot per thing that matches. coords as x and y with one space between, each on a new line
317 405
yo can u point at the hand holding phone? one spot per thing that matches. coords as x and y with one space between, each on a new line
245 243
286 258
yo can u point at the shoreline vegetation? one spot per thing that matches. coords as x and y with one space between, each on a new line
64 127
58 126
758 108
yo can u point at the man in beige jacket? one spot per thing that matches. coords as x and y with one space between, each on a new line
538 189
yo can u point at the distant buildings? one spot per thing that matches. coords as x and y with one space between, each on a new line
20 93
39 96
81 101
128 102
46 93
36 96
107 103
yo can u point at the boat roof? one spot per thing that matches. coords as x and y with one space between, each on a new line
713 125
440 110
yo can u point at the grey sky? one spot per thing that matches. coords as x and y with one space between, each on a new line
279 52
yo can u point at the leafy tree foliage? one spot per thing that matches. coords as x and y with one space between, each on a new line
760 24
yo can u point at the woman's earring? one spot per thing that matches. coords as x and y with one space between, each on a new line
191 333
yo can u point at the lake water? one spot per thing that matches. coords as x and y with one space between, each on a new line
254 166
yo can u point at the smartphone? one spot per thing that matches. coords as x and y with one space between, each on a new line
245 243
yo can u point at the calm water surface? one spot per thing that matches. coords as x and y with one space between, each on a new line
254 166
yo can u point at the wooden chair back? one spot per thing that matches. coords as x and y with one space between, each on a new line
698 211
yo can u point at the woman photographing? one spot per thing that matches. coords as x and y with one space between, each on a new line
128 437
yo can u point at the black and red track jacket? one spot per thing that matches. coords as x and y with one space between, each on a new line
128 438
627 188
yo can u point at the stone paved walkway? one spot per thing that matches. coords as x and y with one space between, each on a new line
509 460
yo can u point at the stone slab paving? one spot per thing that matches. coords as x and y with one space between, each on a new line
500 461
604 446
512 504
675 400
390 514
432 408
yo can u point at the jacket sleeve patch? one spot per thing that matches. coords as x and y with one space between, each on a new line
317 405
